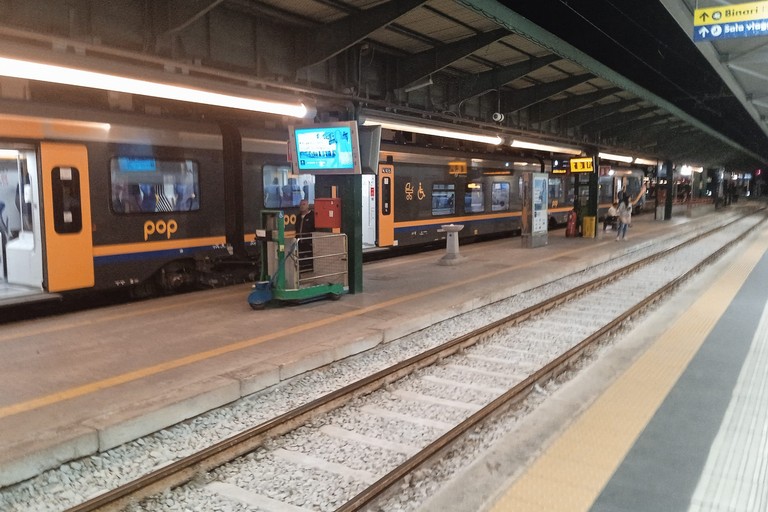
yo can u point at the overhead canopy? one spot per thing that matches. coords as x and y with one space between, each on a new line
590 74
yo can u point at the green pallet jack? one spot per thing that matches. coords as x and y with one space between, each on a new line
279 279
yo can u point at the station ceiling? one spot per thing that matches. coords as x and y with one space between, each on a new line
613 75
724 84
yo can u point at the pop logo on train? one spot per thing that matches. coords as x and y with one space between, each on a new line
160 227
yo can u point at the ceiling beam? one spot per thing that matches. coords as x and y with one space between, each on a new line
616 119
586 115
324 42
419 66
546 111
628 130
519 99
475 85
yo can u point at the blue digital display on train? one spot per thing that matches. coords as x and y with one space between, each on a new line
129 164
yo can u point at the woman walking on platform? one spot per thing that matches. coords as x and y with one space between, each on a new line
625 217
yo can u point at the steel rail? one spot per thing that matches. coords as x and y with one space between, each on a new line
520 391
184 470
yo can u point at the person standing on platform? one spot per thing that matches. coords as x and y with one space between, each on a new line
305 225
625 217
611 217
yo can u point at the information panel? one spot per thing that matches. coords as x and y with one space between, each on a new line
582 165
730 21
535 215
540 189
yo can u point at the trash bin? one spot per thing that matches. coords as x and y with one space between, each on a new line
588 226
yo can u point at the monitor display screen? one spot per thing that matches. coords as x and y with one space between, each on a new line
133 164
332 148
561 165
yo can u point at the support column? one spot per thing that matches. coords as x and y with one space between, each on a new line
350 190
592 200
670 189
233 189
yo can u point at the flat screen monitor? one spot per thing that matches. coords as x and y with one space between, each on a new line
332 148
561 165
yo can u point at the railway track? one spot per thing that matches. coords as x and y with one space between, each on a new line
472 377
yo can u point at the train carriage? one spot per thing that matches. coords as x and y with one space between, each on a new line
124 201
96 201
481 192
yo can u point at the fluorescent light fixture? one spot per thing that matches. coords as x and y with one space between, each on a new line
645 161
617 158
58 124
71 76
428 130
415 86
545 147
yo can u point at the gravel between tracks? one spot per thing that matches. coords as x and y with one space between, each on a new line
80 480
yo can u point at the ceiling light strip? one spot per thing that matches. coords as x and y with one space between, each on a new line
17 68
617 158
545 147
428 130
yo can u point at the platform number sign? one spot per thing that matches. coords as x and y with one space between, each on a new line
457 168
581 165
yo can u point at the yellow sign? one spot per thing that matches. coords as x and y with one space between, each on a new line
581 165
730 13
457 168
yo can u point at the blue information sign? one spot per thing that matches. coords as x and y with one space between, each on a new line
752 28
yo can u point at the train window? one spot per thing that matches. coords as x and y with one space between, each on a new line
500 197
65 194
556 188
473 198
443 199
283 189
15 203
147 184
605 189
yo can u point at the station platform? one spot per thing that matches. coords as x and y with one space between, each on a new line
81 383
671 417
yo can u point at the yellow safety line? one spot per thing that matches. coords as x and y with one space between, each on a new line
574 469
124 378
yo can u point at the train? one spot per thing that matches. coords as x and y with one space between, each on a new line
484 193
98 201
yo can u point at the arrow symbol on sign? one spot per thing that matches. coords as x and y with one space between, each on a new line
704 16
703 31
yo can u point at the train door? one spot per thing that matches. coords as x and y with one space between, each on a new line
67 214
369 210
385 221
20 217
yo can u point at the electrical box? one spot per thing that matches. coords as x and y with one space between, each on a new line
328 213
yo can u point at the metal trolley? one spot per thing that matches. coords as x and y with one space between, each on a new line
298 270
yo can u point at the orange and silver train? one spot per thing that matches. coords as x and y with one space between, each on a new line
97 201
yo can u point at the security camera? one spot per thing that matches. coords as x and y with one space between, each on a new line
497 117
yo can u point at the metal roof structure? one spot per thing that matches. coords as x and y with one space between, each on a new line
741 62
450 62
